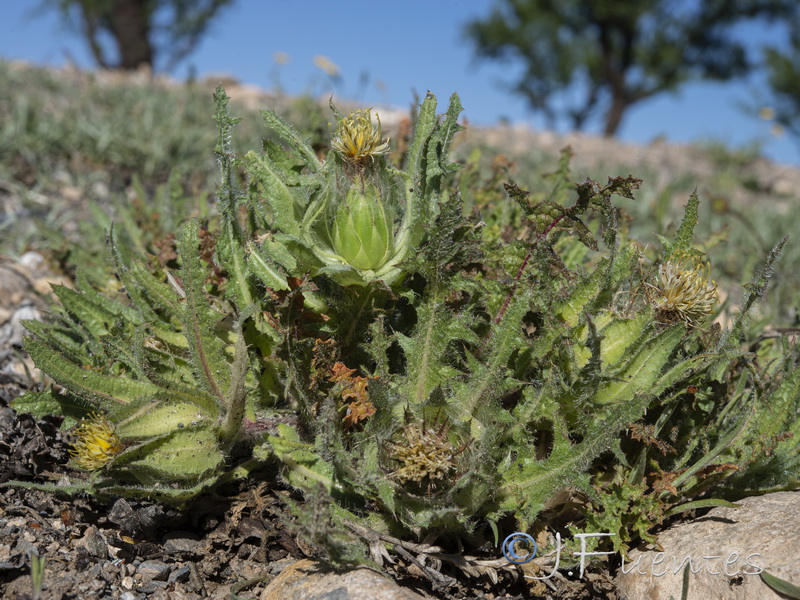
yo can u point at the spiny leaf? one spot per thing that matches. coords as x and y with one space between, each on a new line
291 135
94 318
265 268
279 197
230 254
42 404
530 483
682 241
208 351
642 370
224 151
425 350
159 292
755 291
484 385
424 126
107 391
546 217
304 466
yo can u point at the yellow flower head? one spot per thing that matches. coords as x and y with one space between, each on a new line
423 455
684 290
358 140
96 443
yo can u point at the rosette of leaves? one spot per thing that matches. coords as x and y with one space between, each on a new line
162 362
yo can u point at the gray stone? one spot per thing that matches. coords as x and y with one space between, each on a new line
94 543
181 541
728 549
154 570
307 579
180 575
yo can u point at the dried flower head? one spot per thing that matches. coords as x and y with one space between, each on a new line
96 443
358 140
684 291
424 455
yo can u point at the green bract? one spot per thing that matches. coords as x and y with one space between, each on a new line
362 231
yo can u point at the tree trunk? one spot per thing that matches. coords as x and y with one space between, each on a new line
130 25
614 115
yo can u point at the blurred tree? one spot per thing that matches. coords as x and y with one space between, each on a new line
783 72
142 30
582 57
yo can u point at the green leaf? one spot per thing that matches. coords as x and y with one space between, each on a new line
94 318
265 268
108 391
682 241
291 135
781 585
642 370
529 483
425 125
305 468
437 327
697 504
186 454
121 251
755 291
208 351
42 404
162 294
231 256
281 200
477 396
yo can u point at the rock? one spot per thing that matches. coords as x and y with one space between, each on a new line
154 570
94 543
181 541
728 549
307 579
181 575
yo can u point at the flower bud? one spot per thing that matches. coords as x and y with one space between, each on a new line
363 231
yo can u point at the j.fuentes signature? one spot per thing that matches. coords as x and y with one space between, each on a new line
656 565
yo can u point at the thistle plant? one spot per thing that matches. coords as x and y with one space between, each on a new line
349 320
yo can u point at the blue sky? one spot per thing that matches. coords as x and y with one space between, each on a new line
384 50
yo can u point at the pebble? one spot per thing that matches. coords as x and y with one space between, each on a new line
181 541
154 570
94 543
179 575
152 586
